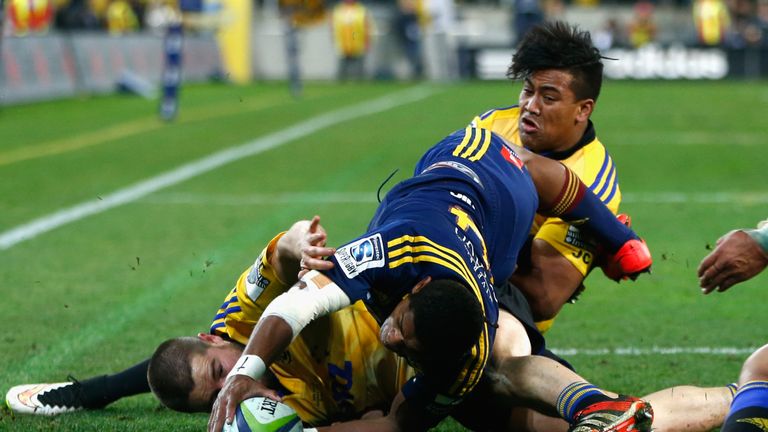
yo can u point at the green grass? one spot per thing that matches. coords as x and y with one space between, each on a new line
100 293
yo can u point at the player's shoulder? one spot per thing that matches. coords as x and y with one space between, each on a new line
494 114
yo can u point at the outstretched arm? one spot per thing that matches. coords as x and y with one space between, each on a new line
313 296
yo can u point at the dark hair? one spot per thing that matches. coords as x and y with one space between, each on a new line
447 319
170 372
558 45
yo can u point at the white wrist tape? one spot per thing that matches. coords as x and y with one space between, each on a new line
249 365
298 306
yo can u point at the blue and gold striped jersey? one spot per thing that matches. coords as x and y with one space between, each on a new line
464 216
336 369
589 160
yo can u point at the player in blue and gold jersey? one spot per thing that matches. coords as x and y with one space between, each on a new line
335 369
562 75
425 270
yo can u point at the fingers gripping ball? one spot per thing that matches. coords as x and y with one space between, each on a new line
261 414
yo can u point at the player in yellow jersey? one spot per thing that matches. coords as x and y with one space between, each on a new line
562 75
335 371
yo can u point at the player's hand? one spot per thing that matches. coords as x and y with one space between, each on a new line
236 389
736 258
313 248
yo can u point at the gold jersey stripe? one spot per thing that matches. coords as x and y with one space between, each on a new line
467 135
478 136
484 148
471 375
456 259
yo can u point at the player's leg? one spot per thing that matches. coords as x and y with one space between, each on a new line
749 410
555 390
74 395
689 408
511 338
562 194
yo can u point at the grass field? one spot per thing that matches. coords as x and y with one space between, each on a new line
142 258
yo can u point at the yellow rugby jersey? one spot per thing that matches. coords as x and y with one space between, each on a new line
589 160
336 369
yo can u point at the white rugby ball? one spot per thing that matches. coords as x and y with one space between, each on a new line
262 414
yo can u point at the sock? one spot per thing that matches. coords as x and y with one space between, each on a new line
749 409
576 203
577 396
101 391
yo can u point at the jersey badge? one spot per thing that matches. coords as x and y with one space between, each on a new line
361 255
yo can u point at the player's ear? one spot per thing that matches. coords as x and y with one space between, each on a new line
210 338
421 284
586 106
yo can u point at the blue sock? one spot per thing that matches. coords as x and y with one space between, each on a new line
577 396
576 203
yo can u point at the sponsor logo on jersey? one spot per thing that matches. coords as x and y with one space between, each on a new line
256 282
575 238
361 255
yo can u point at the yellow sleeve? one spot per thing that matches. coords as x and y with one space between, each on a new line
257 286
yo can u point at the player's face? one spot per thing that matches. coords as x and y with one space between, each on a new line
398 333
209 371
551 119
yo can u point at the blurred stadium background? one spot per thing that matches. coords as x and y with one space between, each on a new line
119 230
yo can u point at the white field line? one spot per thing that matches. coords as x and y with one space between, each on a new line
655 350
744 198
131 193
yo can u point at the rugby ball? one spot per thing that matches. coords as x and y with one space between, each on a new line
262 414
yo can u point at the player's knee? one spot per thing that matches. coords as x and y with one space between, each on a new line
756 366
511 338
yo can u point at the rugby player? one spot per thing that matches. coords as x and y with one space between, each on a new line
562 75
338 373
741 255
434 248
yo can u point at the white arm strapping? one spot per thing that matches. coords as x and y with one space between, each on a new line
299 306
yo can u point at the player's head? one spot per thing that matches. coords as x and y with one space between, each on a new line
435 326
562 73
186 373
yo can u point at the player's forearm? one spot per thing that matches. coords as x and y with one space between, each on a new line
548 282
269 340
